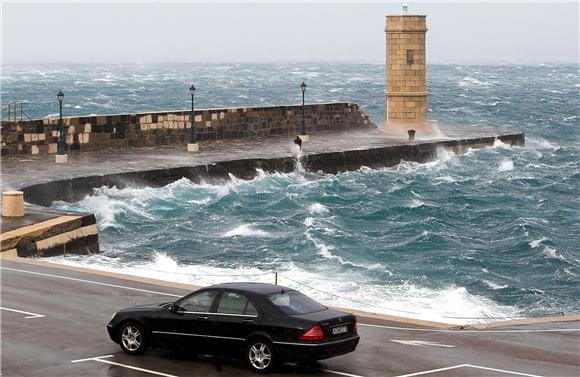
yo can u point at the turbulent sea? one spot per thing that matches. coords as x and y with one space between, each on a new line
490 234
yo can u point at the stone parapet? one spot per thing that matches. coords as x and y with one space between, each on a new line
87 133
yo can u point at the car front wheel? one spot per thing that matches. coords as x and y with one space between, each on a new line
259 355
133 339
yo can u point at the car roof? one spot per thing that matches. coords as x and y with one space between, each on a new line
259 288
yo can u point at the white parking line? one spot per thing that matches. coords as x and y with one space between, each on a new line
101 359
467 366
92 282
433 371
504 371
29 315
421 343
468 331
340 373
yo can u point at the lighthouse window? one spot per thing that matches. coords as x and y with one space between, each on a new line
410 57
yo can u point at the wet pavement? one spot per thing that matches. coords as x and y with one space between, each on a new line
54 320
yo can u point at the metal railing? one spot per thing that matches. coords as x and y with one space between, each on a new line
14 111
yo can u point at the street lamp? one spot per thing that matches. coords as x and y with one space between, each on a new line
303 127
61 156
192 146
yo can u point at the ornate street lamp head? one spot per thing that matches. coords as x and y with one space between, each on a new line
60 96
303 86
192 90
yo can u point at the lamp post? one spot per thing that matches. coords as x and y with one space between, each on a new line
61 156
305 138
192 146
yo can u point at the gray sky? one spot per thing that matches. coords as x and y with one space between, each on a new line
492 32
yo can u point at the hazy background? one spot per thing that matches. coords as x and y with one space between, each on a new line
462 33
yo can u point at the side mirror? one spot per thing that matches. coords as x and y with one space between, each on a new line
174 308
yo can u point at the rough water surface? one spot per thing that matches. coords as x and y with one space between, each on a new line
490 234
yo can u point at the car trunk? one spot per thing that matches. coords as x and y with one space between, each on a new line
335 325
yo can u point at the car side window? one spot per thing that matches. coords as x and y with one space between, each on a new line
199 302
250 309
235 303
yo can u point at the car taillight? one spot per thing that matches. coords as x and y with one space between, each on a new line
315 333
355 328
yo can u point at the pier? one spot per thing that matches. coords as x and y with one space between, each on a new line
329 152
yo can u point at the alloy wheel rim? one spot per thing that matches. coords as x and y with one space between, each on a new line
131 338
260 356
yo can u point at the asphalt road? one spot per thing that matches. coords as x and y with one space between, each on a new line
53 324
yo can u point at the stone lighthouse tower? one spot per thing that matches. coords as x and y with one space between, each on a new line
406 86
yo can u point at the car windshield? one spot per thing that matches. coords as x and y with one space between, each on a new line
293 302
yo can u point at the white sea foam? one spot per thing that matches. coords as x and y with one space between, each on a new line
536 243
493 285
471 81
538 143
317 208
506 165
438 304
246 230
552 253
416 203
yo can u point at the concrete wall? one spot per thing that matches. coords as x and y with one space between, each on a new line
60 234
173 127
75 189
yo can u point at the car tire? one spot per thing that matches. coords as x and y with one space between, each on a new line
259 355
133 338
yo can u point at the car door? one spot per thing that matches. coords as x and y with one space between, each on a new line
234 318
188 322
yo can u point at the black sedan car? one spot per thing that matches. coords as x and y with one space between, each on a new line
267 323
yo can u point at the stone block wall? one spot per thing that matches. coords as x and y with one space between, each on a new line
173 127
406 85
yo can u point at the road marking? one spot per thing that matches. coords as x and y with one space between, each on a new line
92 282
433 371
504 371
91 358
421 343
468 331
101 359
29 315
340 373
467 366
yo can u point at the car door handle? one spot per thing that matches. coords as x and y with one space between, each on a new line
203 317
247 321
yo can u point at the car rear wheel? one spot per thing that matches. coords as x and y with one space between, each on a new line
259 355
133 339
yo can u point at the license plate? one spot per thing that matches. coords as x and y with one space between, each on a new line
339 330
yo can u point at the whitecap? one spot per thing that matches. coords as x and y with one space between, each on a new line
317 208
551 252
246 230
493 285
536 243
506 165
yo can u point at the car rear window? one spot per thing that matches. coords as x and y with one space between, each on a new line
294 302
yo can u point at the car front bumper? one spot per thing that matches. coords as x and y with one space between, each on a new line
294 351
113 331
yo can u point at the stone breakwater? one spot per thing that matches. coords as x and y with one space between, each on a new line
90 133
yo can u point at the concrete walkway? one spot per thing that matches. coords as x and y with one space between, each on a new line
24 170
